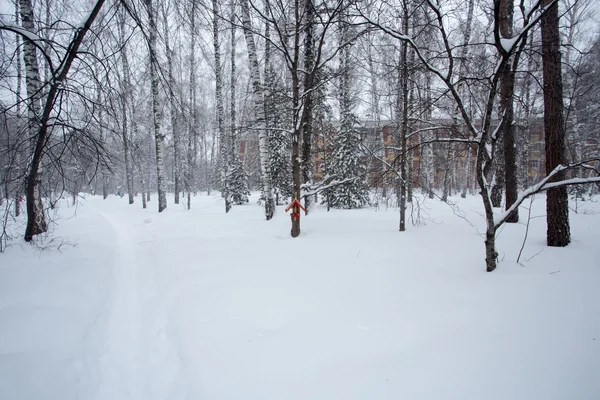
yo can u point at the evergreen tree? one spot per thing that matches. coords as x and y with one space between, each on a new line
347 163
237 181
237 177
278 121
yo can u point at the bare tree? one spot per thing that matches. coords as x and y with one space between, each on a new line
41 103
485 134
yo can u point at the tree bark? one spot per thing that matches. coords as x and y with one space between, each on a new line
259 110
296 120
175 114
125 95
193 115
223 142
36 222
507 88
17 192
307 127
557 202
404 128
36 219
159 137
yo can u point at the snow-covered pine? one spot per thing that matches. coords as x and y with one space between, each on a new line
347 159
347 162
278 121
238 182
259 110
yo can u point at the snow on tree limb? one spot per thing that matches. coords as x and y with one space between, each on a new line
544 185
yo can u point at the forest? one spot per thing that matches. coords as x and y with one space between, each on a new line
343 103
299 199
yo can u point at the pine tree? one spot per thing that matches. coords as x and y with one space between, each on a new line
237 181
237 177
347 163
557 200
278 119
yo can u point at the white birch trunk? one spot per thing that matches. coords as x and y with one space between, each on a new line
189 179
175 123
158 136
223 147
258 100
125 95
34 91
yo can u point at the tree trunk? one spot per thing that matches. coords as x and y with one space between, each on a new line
175 121
36 219
404 129
126 88
192 133
259 110
499 174
429 173
307 127
36 222
557 201
297 123
507 130
223 142
468 179
17 191
159 137
447 172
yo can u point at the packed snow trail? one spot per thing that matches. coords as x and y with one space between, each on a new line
198 304
139 359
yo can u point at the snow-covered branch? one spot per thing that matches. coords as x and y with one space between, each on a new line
311 190
544 185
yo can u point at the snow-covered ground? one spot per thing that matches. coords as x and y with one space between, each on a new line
203 305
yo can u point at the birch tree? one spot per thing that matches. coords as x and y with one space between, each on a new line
176 113
36 219
193 112
259 111
507 129
126 90
159 136
41 103
237 179
223 142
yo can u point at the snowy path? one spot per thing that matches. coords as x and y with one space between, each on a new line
200 304
139 359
